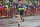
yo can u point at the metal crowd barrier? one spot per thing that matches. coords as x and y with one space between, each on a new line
6 13
10 12
33 11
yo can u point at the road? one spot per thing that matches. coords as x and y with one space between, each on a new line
30 21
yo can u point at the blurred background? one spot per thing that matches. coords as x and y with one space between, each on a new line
9 13
8 5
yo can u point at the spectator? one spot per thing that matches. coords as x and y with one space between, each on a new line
6 7
1 9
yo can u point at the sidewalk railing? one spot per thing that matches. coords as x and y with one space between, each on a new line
6 13
33 11
12 11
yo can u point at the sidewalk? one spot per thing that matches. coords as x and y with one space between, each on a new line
30 21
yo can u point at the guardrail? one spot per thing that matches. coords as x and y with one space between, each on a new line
6 13
12 11
33 11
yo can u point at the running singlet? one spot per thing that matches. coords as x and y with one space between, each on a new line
20 10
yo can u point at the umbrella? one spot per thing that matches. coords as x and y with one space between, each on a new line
19 2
